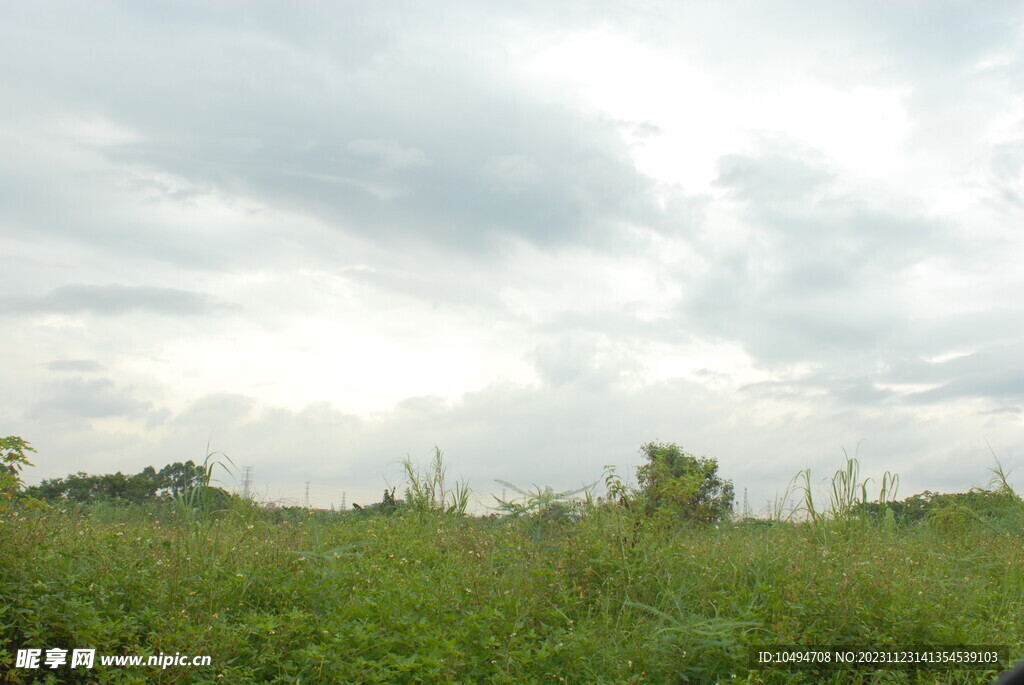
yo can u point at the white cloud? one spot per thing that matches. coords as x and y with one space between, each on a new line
536 236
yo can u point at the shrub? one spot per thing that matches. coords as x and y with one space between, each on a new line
682 485
12 461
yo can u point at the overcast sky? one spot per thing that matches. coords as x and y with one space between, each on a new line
322 237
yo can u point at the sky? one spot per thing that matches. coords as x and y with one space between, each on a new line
320 238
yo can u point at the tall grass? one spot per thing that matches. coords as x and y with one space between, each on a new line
427 489
198 507
848 499
428 596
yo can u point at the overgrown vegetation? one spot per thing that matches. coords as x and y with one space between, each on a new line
145 486
12 462
683 486
428 491
577 587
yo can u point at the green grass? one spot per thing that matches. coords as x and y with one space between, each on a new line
598 595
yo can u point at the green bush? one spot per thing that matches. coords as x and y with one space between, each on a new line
12 461
682 485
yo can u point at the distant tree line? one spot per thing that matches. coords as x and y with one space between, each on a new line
145 486
672 484
977 503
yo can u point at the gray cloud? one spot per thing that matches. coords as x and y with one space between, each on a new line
1008 176
427 147
466 182
78 399
820 275
116 300
584 358
213 411
1005 385
575 429
994 372
840 391
776 177
75 365
398 156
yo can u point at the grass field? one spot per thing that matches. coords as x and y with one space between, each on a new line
561 593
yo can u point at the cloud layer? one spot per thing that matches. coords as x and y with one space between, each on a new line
325 238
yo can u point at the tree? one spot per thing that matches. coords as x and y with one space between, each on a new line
145 486
178 478
142 486
680 484
12 461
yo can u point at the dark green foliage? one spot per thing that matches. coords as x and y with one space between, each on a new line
428 491
603 595
179 477
12 461
172 480
682 485
997 507
387 506
543 503
435 598
977 502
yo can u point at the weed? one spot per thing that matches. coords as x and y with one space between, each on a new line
849 501
560 591
427 490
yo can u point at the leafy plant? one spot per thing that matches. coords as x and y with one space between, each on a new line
848 498
997 507
615 490
682 485
704 649
543 503
12 461
198 505
1009 504
195 495
427 490
609 597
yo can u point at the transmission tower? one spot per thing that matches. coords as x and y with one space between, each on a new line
307 494
246 481
344 503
